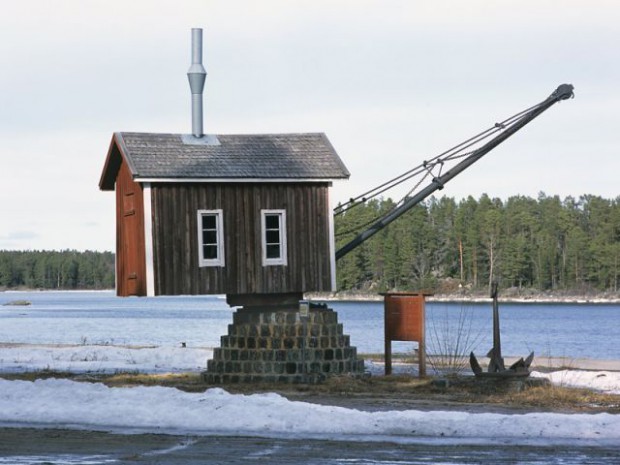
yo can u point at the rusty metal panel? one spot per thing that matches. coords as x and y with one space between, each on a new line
404 317
404 321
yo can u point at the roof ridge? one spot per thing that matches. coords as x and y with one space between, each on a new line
270 134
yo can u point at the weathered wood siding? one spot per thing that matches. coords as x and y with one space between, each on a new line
130 253
175 241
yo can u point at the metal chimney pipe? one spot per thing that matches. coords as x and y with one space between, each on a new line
197 76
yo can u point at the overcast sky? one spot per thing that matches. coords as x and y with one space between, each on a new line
390 82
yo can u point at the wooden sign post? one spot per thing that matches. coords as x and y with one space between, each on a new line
404 321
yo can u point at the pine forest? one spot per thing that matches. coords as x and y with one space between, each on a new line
67 269
543 244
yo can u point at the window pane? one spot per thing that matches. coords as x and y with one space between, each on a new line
273 237
210 252
209 237
273 251
208 222
272 221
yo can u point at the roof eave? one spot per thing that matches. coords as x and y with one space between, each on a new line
110 168
344 169
113 162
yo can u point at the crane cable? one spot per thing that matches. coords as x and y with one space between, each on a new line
426 169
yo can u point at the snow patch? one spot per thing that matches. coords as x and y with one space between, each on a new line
102 359
56 402
604 381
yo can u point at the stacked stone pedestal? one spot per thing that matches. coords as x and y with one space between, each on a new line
279 346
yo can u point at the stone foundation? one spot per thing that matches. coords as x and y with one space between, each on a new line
279 346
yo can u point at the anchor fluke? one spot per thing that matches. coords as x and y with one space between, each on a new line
496 363
475 366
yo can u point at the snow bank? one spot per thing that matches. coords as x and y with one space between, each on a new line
605 381
102 359
166 410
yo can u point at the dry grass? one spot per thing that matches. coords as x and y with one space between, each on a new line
560 398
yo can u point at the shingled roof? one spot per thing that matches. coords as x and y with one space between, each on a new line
266 156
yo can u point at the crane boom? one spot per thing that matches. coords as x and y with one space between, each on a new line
563 92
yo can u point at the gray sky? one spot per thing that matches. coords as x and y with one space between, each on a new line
390 82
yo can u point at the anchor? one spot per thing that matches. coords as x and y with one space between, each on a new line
497 369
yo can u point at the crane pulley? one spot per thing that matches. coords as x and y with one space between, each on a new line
433 168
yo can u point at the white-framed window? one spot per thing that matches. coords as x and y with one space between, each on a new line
210 238
273 237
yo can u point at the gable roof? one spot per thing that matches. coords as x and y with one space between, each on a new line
178 157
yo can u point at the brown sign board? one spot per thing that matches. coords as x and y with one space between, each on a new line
404 321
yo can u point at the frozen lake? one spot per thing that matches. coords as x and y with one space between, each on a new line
559 330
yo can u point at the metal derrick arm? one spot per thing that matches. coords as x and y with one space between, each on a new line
563 92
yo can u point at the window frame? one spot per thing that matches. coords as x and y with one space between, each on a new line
219 229
282 260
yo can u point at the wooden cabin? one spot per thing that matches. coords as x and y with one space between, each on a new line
248 216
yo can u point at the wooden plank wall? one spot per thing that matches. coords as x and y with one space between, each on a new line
175 240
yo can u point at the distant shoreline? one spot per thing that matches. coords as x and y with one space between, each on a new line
476 299
593 299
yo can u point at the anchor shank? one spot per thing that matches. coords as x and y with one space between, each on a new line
497 362
497 343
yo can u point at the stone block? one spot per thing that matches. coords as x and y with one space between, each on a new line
291 368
